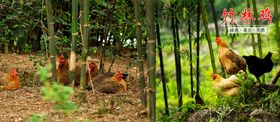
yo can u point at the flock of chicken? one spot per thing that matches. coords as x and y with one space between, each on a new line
105 83
235 66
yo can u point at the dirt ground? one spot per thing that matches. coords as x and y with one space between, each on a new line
19 105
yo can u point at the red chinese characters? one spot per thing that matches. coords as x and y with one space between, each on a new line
265 15
230 13
246 16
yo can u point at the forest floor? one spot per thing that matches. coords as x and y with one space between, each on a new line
19 105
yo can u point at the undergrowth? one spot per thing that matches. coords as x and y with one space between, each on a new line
248 99
55 93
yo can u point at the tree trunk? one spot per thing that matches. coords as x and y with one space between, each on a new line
257 24
50 21
74 38
140 53
150 6
163 78
252 35
176 53
277 25
205 20
197 48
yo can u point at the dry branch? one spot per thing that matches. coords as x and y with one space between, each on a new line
275 78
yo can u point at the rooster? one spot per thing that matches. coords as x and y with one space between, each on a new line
228 86
259 66
230 61
62 70
111 85
10 81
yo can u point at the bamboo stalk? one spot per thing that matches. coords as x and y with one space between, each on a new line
190 46
85 29
205 21
257 24
73 43
214 17
50 20
163 78
140 52
176 54
197 48
150 5
252 35
277 25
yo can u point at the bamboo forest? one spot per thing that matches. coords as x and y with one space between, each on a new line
139 61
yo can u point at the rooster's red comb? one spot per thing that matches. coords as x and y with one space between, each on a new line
14 70
218 39
119 72
214 76
61 56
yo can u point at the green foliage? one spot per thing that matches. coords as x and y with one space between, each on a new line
37 118
44 42
272 103
240 103
180 115
245 102
27 48
62 42
17 22
58 94
272 32
43 73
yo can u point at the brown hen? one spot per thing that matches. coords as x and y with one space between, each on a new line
10 81
91 71
62 70
230 61
110 85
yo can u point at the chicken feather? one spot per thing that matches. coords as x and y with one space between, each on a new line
231 62
228 86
